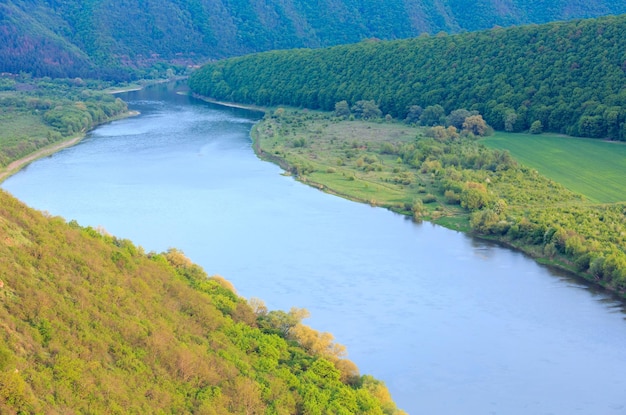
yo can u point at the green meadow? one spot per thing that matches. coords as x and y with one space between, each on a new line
21 134
345 158
594 168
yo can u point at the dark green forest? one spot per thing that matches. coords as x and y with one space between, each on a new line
564 77
122 40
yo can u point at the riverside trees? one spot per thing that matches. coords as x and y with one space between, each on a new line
35 113
437 174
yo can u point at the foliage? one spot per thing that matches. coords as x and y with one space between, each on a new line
437 174
36 113
593 168
536 127
568 76
92 324
125 40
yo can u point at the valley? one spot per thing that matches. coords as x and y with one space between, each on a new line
486 151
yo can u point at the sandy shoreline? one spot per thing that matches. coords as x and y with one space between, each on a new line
229 104
122 90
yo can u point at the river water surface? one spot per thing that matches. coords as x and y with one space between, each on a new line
453 325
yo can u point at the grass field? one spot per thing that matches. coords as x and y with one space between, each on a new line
21 133
331 149
596 169
17 126
345 158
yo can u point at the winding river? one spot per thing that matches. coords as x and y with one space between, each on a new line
452 324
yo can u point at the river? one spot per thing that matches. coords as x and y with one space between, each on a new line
452 324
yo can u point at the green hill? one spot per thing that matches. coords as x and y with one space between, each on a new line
92 324
110 39
569 76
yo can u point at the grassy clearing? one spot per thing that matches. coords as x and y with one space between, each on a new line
593 168
346 158
17 125
22 133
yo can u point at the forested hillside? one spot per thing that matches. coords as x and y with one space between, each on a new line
92 324
564 77
119 40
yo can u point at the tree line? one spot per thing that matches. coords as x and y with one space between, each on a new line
119 40
560 77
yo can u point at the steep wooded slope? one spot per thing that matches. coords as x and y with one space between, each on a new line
91 324
570 76
99 38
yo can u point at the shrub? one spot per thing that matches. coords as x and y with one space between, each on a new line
536 127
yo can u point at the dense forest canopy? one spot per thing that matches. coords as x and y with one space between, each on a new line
125 39
92 324
569 77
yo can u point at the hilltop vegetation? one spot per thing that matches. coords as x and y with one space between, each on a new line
121 40
562 77
92 324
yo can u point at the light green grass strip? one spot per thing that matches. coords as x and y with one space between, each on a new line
594 168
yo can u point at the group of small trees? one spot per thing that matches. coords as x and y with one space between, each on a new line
457 120
73 117
289 325
468 122
42 111
364 109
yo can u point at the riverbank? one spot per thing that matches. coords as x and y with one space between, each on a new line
230 104
16 165
143 84
189 167
379 163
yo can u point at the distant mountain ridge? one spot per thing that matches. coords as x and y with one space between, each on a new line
103 38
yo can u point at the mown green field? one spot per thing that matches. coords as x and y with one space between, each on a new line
593 168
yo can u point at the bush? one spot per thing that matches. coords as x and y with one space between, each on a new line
536 127
452 197
429 198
